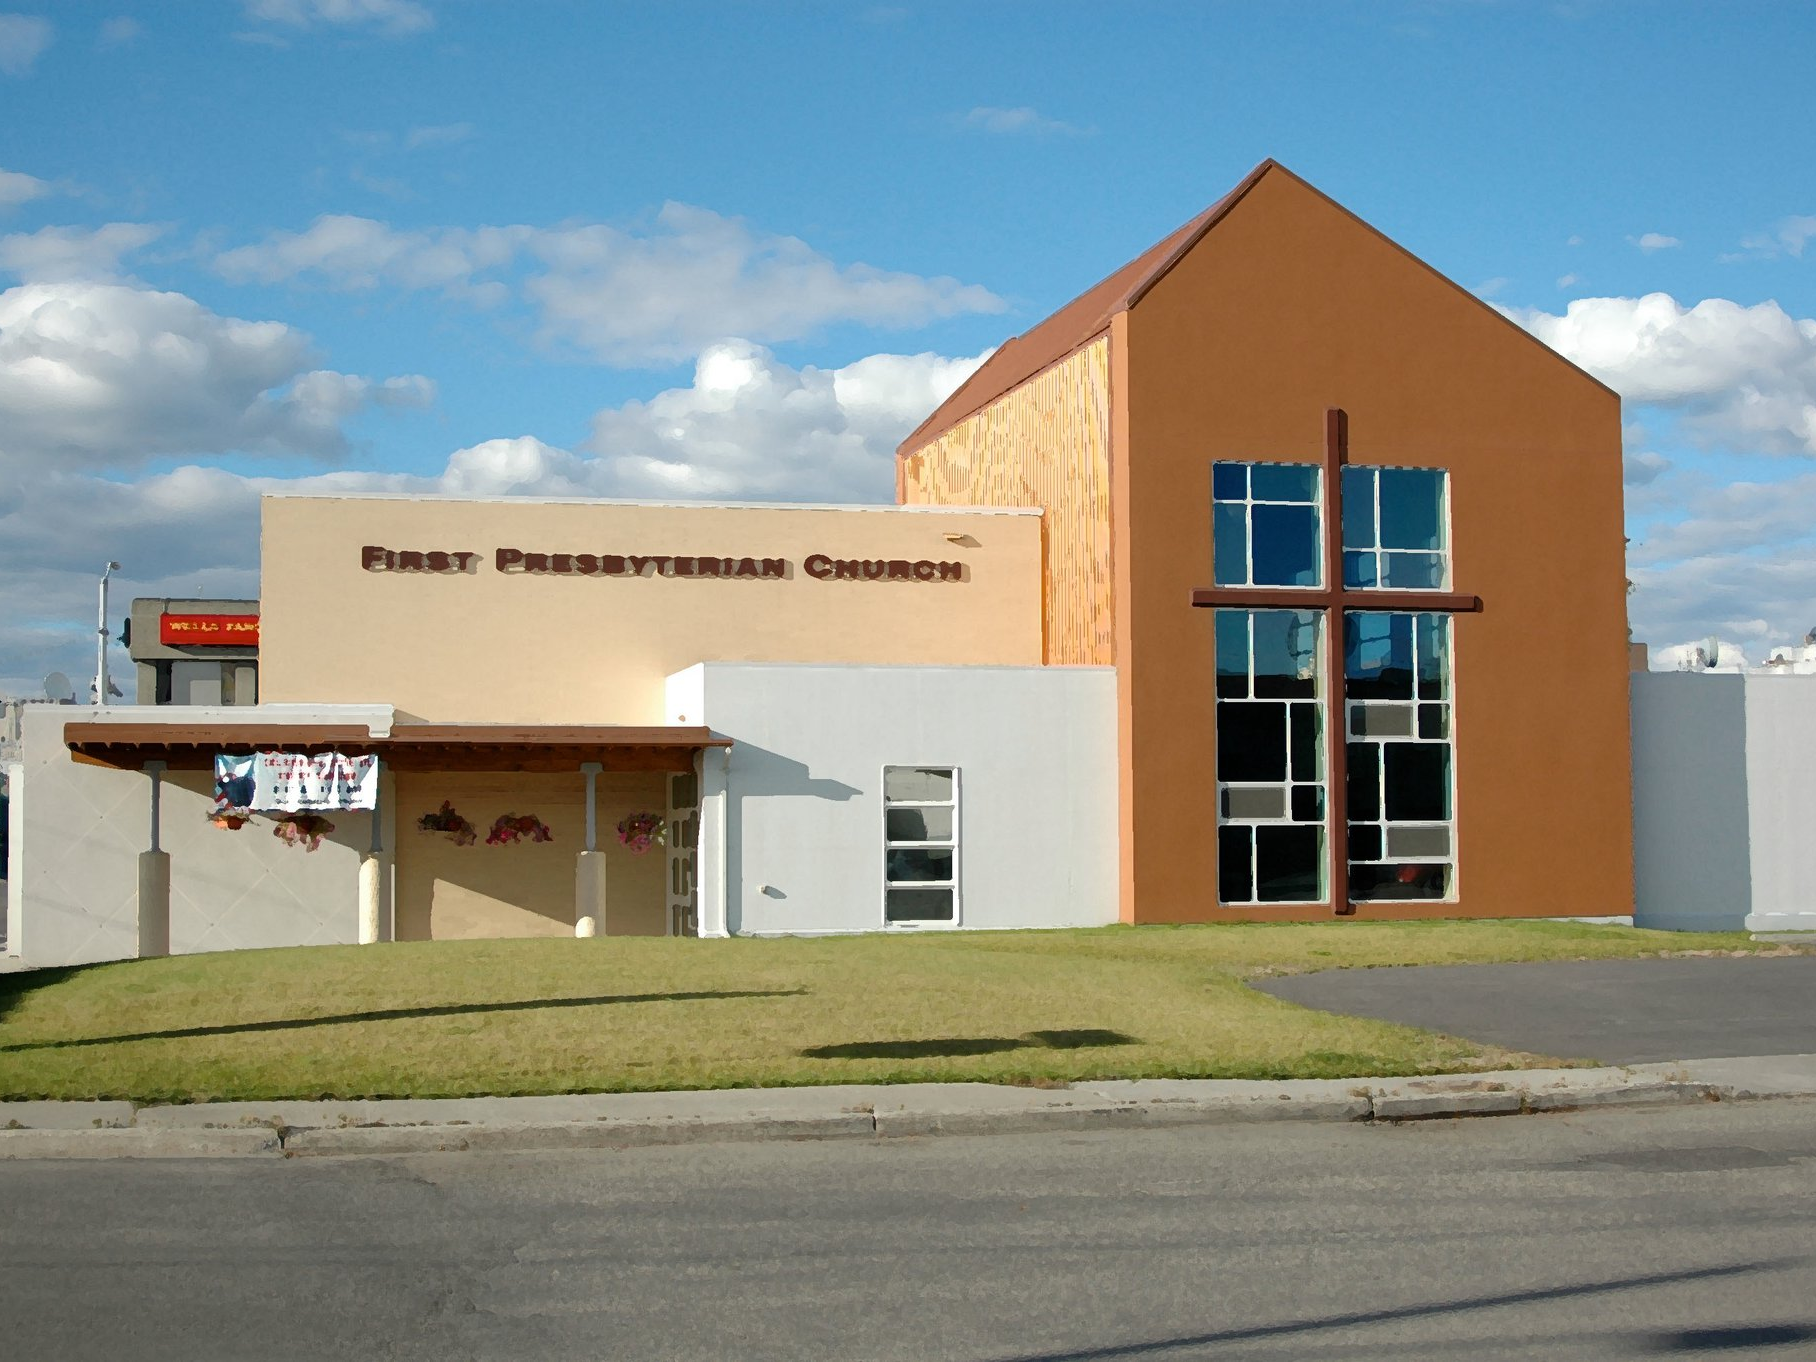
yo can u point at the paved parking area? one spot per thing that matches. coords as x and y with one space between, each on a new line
1613 1011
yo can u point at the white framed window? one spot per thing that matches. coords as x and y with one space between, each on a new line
1396 524
920 846
1266 524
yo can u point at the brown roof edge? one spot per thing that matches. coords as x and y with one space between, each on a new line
87 734
1068 330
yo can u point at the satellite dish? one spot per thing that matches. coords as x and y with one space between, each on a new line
58 689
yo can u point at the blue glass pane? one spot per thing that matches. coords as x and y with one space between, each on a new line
1413 571
1286 545
1377 655
1283 482
1286 654
1359 569
1434 657
1229 544
1229 481
1358 508
1412 508
1232 653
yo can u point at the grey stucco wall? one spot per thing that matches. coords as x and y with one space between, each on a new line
1691 834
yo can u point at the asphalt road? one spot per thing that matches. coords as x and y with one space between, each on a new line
1612 1011
1678 1233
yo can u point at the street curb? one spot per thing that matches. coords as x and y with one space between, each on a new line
376 1128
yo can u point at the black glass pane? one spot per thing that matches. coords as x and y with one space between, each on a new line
1286 654
1308 803
1251 741
1232 653
1364 841
1367 882
1412 502
917 905
1307 746
1359 569
1364 780
1235 855
906 864
1432 722
1229 544
1288 864
1358 508
1377 655
1283 482
1417 777
1434 656
1229 481
1286 545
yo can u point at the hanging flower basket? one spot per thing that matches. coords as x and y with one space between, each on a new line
512 827
640 831
230 818
301 829
447 820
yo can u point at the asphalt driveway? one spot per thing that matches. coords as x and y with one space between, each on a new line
1614 1011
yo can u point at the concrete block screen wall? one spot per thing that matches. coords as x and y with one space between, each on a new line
800 804
75 863
1722 801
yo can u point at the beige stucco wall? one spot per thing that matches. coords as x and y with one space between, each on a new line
490 646
447 892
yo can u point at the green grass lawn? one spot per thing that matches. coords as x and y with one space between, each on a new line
446 1019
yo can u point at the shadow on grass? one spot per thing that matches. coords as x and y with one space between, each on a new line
399 1014
940 1046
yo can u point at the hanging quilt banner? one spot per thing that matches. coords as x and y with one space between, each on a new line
233 782
298 782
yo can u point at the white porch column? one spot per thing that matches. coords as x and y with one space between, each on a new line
712 873
154 877
370 877
589 867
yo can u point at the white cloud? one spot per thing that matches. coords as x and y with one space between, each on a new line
691 277
1569 280
104 375
1489 287
23 38
54 253
397 17
1655 241
1642 468
437 135
1740 376
1574 241
1023 120
1787 237
118 31
749 426
17 188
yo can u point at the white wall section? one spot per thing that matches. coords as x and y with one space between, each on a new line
803 822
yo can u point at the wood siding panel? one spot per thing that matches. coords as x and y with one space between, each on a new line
1046 444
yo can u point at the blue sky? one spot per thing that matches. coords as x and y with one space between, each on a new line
739 250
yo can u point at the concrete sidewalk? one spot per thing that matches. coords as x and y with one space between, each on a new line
63 1130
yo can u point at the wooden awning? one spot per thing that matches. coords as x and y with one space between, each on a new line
409 747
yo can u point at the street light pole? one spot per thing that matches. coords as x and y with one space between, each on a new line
101 639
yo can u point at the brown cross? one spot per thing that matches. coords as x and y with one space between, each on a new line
1332 599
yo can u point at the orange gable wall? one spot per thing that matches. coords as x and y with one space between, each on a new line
1288 306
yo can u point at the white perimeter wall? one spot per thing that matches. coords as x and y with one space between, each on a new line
78 832
1724 801
802 813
